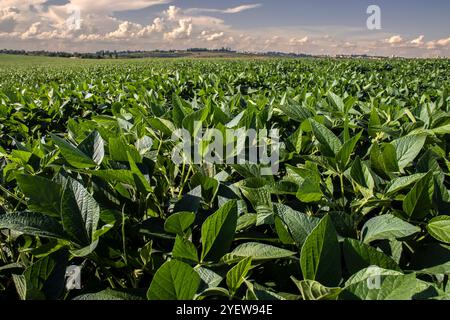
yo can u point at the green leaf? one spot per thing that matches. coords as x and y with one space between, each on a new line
114 176
218 231
361 174
258 193
408 148
439 269
330 145
118 149
179 222
320 258
404 182
379 284
313 290
184 249
439 228
94 147
343 156
142 184
74 156
175 280
418 201
384 160
257 251
445 129
309 191
387 226
359 256
44 279
35 224
299 224
237 274
209 277
44 194
110 295
337 101
80 212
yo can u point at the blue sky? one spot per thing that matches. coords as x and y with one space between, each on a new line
409 28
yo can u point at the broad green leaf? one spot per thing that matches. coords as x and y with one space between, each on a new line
387 226
313 290
218 231
299 224
35 224
330 145
118 149
343 156
404 182
110 295
44 194
80 212
174 280
114 176
439 269
408 148
384 160
359 256
209 277
142 184
381 287
445 129
295 112
337 101
258 193
361 174
259 252
94 147
184 249
439 228
179 222
237 274
44 279
418 201
309 191
74 156
320 257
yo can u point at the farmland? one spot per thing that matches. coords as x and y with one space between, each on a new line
358 208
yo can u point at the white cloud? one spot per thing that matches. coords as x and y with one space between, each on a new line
110 6
418 41
395 39
34 29
295 41
233 10
205 35
441 43
182 31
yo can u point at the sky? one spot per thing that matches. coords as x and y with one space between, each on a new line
413 28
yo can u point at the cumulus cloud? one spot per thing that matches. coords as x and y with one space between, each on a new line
182 31
8 19
211 36
418 41
441 43
295 41
395 39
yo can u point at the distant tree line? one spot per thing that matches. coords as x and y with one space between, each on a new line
107 54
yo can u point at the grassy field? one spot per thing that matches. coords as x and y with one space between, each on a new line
357 207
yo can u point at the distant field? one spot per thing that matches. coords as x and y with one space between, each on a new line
22 60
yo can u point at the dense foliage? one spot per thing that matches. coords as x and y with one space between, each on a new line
358 210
